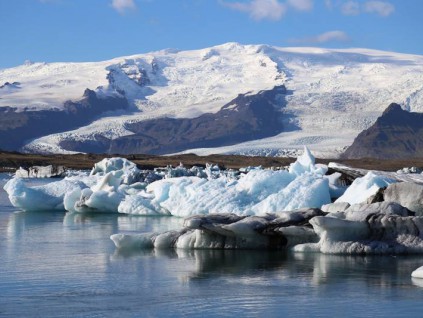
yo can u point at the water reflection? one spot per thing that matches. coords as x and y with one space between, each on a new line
319 269
56 254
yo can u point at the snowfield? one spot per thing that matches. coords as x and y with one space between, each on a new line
329 91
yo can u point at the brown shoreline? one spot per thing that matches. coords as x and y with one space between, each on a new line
9 161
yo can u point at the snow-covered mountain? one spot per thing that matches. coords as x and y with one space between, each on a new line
322 98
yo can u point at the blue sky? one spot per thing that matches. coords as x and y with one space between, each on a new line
94 30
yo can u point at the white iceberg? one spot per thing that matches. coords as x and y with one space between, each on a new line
40 198
418 273
115 178
365 187
255 193
114 186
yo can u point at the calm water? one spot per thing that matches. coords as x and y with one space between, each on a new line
63 265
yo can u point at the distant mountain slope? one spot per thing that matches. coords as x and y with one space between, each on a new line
18 126
247 117
332 95
397 134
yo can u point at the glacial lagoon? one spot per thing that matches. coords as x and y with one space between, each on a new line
58 264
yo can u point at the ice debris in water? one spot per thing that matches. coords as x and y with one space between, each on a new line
117 185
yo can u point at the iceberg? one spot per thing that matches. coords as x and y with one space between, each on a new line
49 171
365 187
418 273
115 178
117 185
380 228
229 231
48 197
257 192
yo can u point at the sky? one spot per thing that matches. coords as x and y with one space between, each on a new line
95 30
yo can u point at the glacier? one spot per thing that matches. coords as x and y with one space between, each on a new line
342 89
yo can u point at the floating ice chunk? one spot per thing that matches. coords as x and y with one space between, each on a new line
115 178
308 190
129 241
376 234
304 163
104 196
230 231
256 193
128 169
418 273
363 188
41 172
39 198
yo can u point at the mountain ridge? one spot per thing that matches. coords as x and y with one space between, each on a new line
329 90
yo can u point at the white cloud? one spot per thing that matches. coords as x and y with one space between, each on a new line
302 5
379 7
122 6
260 9
331 36
350 8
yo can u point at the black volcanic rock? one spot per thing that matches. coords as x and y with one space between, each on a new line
397 134
247 117
17 127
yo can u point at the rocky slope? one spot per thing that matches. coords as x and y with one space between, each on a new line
397 134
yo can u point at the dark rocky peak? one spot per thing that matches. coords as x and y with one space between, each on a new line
254 101
10 85
134 70
89 94
142 78
154 65
393 109
396 134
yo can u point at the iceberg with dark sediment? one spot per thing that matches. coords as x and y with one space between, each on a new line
230 231
386 228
